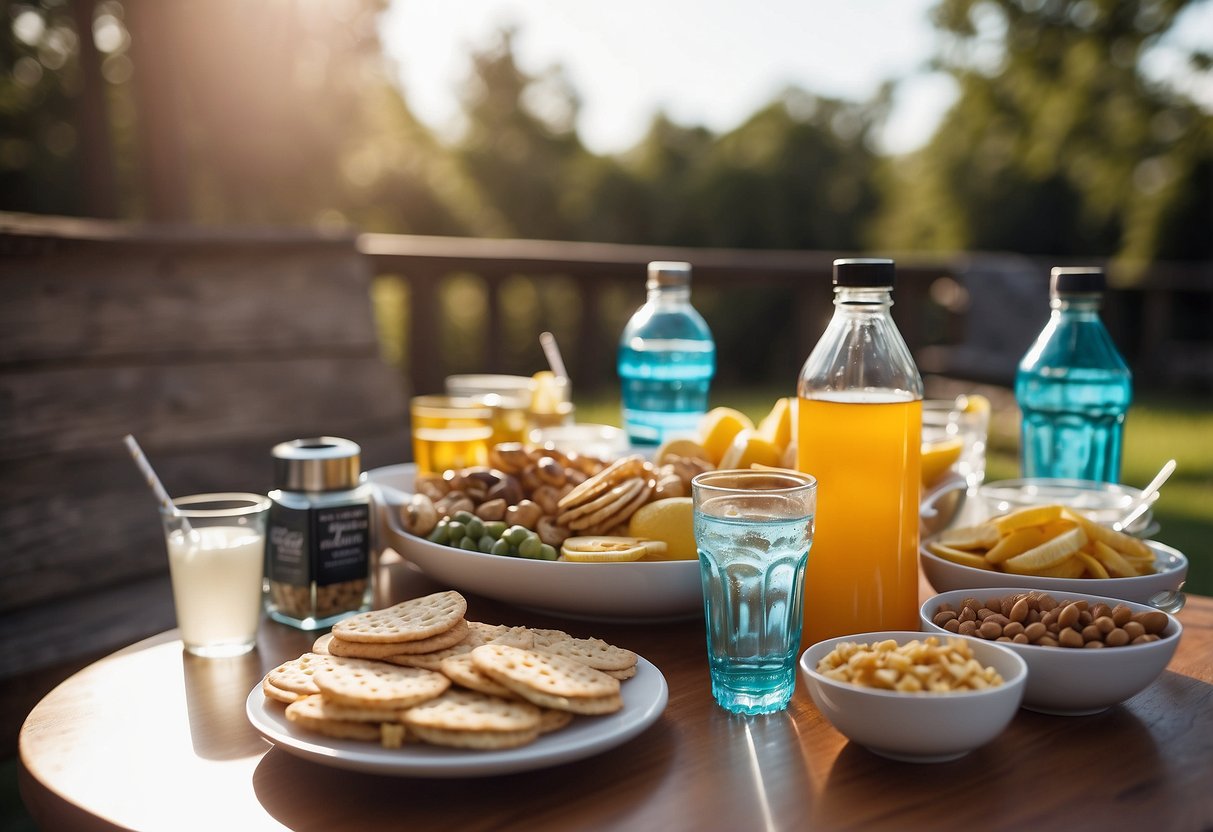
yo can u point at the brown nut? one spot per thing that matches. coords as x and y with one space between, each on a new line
550 471
491 509
454 502
551 532
526 514
510 457
1154 621
1069 615
433 486
419 516
547 497
506 488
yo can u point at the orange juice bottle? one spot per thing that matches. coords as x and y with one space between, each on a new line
859 432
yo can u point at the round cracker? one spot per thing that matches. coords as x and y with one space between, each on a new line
298 675
385 649
478 740
607 478
555 675
616 495
461 671
330 727
410 620
468 710
611 519
370 684
593 652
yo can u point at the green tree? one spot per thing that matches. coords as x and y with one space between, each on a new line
1058 143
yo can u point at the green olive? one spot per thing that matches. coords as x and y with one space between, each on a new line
531 547
516 534
470 544
486 543
475 528
464 517
548 552
455 531
439 534
501 547
494 528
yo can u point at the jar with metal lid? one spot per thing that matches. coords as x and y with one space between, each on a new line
318 542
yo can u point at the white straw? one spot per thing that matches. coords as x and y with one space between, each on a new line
153 481
552 351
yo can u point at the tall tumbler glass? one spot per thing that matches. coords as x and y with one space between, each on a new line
753 529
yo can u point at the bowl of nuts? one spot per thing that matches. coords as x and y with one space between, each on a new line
500 534
1085 653
915 697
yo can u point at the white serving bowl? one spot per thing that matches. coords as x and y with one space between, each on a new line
1103 502
635 592
1073 681
1170 565
917 727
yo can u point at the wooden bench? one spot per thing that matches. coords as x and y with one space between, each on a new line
209 347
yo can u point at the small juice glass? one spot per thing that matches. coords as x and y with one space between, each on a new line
450 432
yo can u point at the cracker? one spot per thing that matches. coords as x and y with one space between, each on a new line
584 514
318 707
622 675
392 735
551 720
461 671
298 675
529 670
610 520
593 652
478 634
410 620
586 705
371 684
467 710
478 740
278 694
329 727
384 649
321 645
604 480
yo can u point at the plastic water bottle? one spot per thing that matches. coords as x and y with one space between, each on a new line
1073 387
667 359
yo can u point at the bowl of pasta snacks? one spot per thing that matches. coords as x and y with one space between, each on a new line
1052 548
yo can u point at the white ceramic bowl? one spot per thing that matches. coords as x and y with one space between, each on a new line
1171 570
1103 502
1070 681
917 727
633 592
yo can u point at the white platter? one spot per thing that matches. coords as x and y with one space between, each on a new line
644 698
630 592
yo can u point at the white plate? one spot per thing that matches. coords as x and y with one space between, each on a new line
644 698
632 592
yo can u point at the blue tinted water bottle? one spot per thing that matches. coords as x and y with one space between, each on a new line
667 359
1073 387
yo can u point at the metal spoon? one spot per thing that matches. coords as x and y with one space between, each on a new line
1169 600
1143 500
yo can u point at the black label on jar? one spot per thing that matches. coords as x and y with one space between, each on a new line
341 543
287 550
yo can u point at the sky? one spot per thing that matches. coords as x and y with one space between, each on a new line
708 63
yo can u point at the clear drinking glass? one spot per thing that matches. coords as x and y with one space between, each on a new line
450 432
945 419
216 559
753 530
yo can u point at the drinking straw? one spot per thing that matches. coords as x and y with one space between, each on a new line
153 481
552 351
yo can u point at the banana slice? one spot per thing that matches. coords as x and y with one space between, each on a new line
608 548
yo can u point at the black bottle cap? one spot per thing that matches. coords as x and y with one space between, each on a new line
863 271
1071 280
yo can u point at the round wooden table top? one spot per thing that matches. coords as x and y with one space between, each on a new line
151 738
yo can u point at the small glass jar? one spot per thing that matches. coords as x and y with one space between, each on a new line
318 542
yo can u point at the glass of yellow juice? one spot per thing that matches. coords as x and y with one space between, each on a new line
450 432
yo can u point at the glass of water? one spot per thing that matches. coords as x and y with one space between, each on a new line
753 530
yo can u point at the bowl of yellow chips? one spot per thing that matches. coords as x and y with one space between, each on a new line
1053 548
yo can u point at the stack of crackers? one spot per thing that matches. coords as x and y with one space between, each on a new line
420 671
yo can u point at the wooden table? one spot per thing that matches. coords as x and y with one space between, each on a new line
151 738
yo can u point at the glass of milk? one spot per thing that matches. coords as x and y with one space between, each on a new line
216 556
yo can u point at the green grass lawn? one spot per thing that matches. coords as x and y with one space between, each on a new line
1156 430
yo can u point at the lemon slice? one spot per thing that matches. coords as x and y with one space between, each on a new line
748 448
670 520
681 447
938 458
604 549
778 426
719 427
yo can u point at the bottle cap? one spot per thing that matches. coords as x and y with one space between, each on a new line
322 463
863 271
1071 280
668 273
